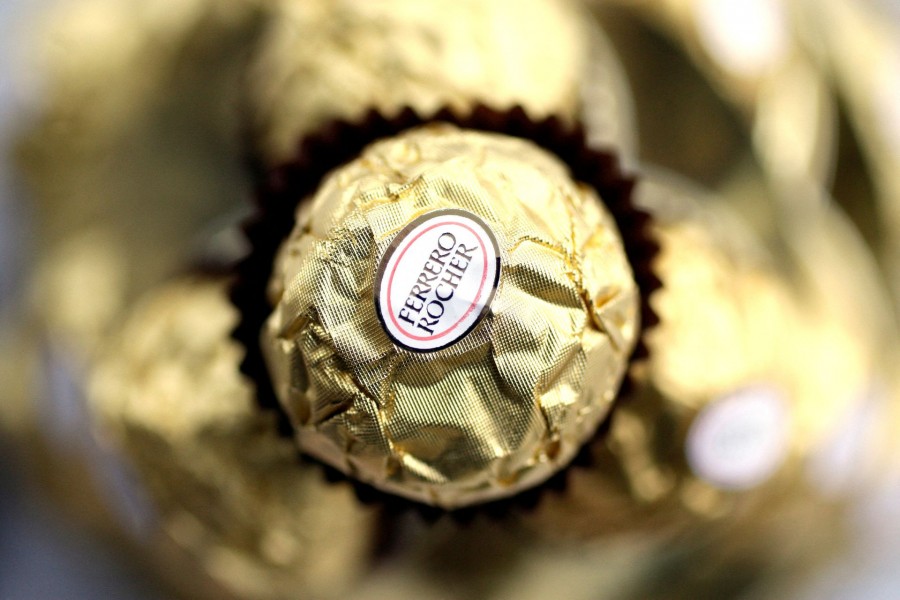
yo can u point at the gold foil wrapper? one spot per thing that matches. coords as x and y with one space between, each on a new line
750 375
323 60
227 498
506 405
136 137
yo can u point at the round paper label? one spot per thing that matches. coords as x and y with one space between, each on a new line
437 279
738 441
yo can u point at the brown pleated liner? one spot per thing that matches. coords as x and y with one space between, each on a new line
279 191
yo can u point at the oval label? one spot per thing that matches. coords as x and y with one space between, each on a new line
738 441
437 279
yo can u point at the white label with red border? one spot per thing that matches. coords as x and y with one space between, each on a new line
437 279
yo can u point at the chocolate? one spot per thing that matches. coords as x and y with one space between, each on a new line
450 400
322 60
750 372
229 505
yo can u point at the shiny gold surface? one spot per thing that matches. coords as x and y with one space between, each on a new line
137 138
323 59
224 488
136 153
510 403
731 325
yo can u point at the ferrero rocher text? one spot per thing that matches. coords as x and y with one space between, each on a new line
454 287
436 283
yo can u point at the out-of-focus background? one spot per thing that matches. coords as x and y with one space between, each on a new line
717 72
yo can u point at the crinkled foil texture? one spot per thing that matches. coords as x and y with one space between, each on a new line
730 322
506 406
323 59
207 468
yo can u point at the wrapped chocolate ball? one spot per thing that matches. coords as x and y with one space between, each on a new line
453 316
209 483
321 60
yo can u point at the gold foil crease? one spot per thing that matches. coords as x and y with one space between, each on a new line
507 405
